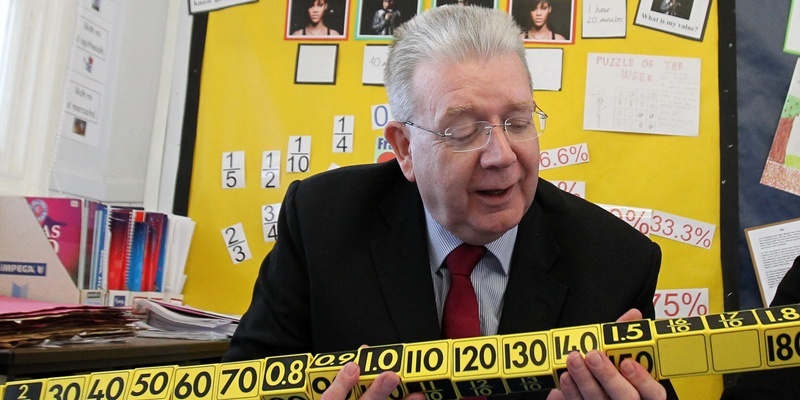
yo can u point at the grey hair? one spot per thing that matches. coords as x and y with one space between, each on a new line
450 33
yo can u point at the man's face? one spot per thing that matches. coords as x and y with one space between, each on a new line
387 4
481 194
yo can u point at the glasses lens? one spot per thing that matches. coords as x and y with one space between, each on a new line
467 136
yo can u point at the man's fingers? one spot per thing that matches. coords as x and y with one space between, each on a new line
381 387
345 381
630 315
580 383
637 375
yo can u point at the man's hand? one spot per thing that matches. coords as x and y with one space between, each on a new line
380 389
595 377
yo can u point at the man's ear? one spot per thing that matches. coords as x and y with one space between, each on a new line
395 133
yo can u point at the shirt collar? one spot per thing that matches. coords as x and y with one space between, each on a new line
441 242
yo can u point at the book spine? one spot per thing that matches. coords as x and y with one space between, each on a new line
136 252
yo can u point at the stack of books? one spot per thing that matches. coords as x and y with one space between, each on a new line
104 249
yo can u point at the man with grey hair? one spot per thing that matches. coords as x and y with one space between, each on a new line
456 238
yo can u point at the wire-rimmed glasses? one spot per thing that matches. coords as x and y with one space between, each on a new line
471 136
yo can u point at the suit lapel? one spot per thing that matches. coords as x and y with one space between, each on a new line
533 299
400 252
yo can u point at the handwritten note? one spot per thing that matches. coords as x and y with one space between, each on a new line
642 94
604 18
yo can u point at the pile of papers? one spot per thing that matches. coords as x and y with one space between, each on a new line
166 320
26 322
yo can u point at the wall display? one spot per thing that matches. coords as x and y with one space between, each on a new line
547 68
792 42
377 19
84 116
685 18
782 169
642 94
271 169
604 19
374 62
773 248
316 63
249 101
478 3
545 21
317 19
233 170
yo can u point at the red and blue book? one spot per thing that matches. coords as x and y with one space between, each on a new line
61 221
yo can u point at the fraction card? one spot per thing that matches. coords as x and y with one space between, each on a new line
236 242
271 169
233 170
299 154
343 127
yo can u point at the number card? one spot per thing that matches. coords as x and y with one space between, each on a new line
108 385
377 359
195 382
66 388
526 362
373 64
236 242
24 390
781 334
285 377
681 229
299 159
476 367
426 370
566 340
239 380
564 156
681 346
734 341
269 221
323 370
631 339
343 133
271 169
151 383
381 115
233 170
675 303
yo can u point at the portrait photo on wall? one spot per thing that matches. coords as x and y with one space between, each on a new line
545 21
685 18
377 19
317 19
479 3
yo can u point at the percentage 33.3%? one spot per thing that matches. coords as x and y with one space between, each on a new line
681 229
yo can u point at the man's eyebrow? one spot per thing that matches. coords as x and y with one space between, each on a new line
466 108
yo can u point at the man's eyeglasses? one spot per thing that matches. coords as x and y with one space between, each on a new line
475 135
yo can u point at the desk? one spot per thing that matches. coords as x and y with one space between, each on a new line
39 362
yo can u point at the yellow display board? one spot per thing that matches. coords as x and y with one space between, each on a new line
250 104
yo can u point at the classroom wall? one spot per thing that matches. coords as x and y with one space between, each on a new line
250 103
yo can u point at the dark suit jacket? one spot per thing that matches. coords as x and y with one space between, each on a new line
774 384
350 267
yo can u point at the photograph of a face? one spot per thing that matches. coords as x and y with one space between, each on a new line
317 19
545 21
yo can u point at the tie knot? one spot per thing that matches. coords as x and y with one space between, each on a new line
463 259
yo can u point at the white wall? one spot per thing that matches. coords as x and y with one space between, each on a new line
148 52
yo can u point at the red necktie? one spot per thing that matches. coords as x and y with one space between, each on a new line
460 318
